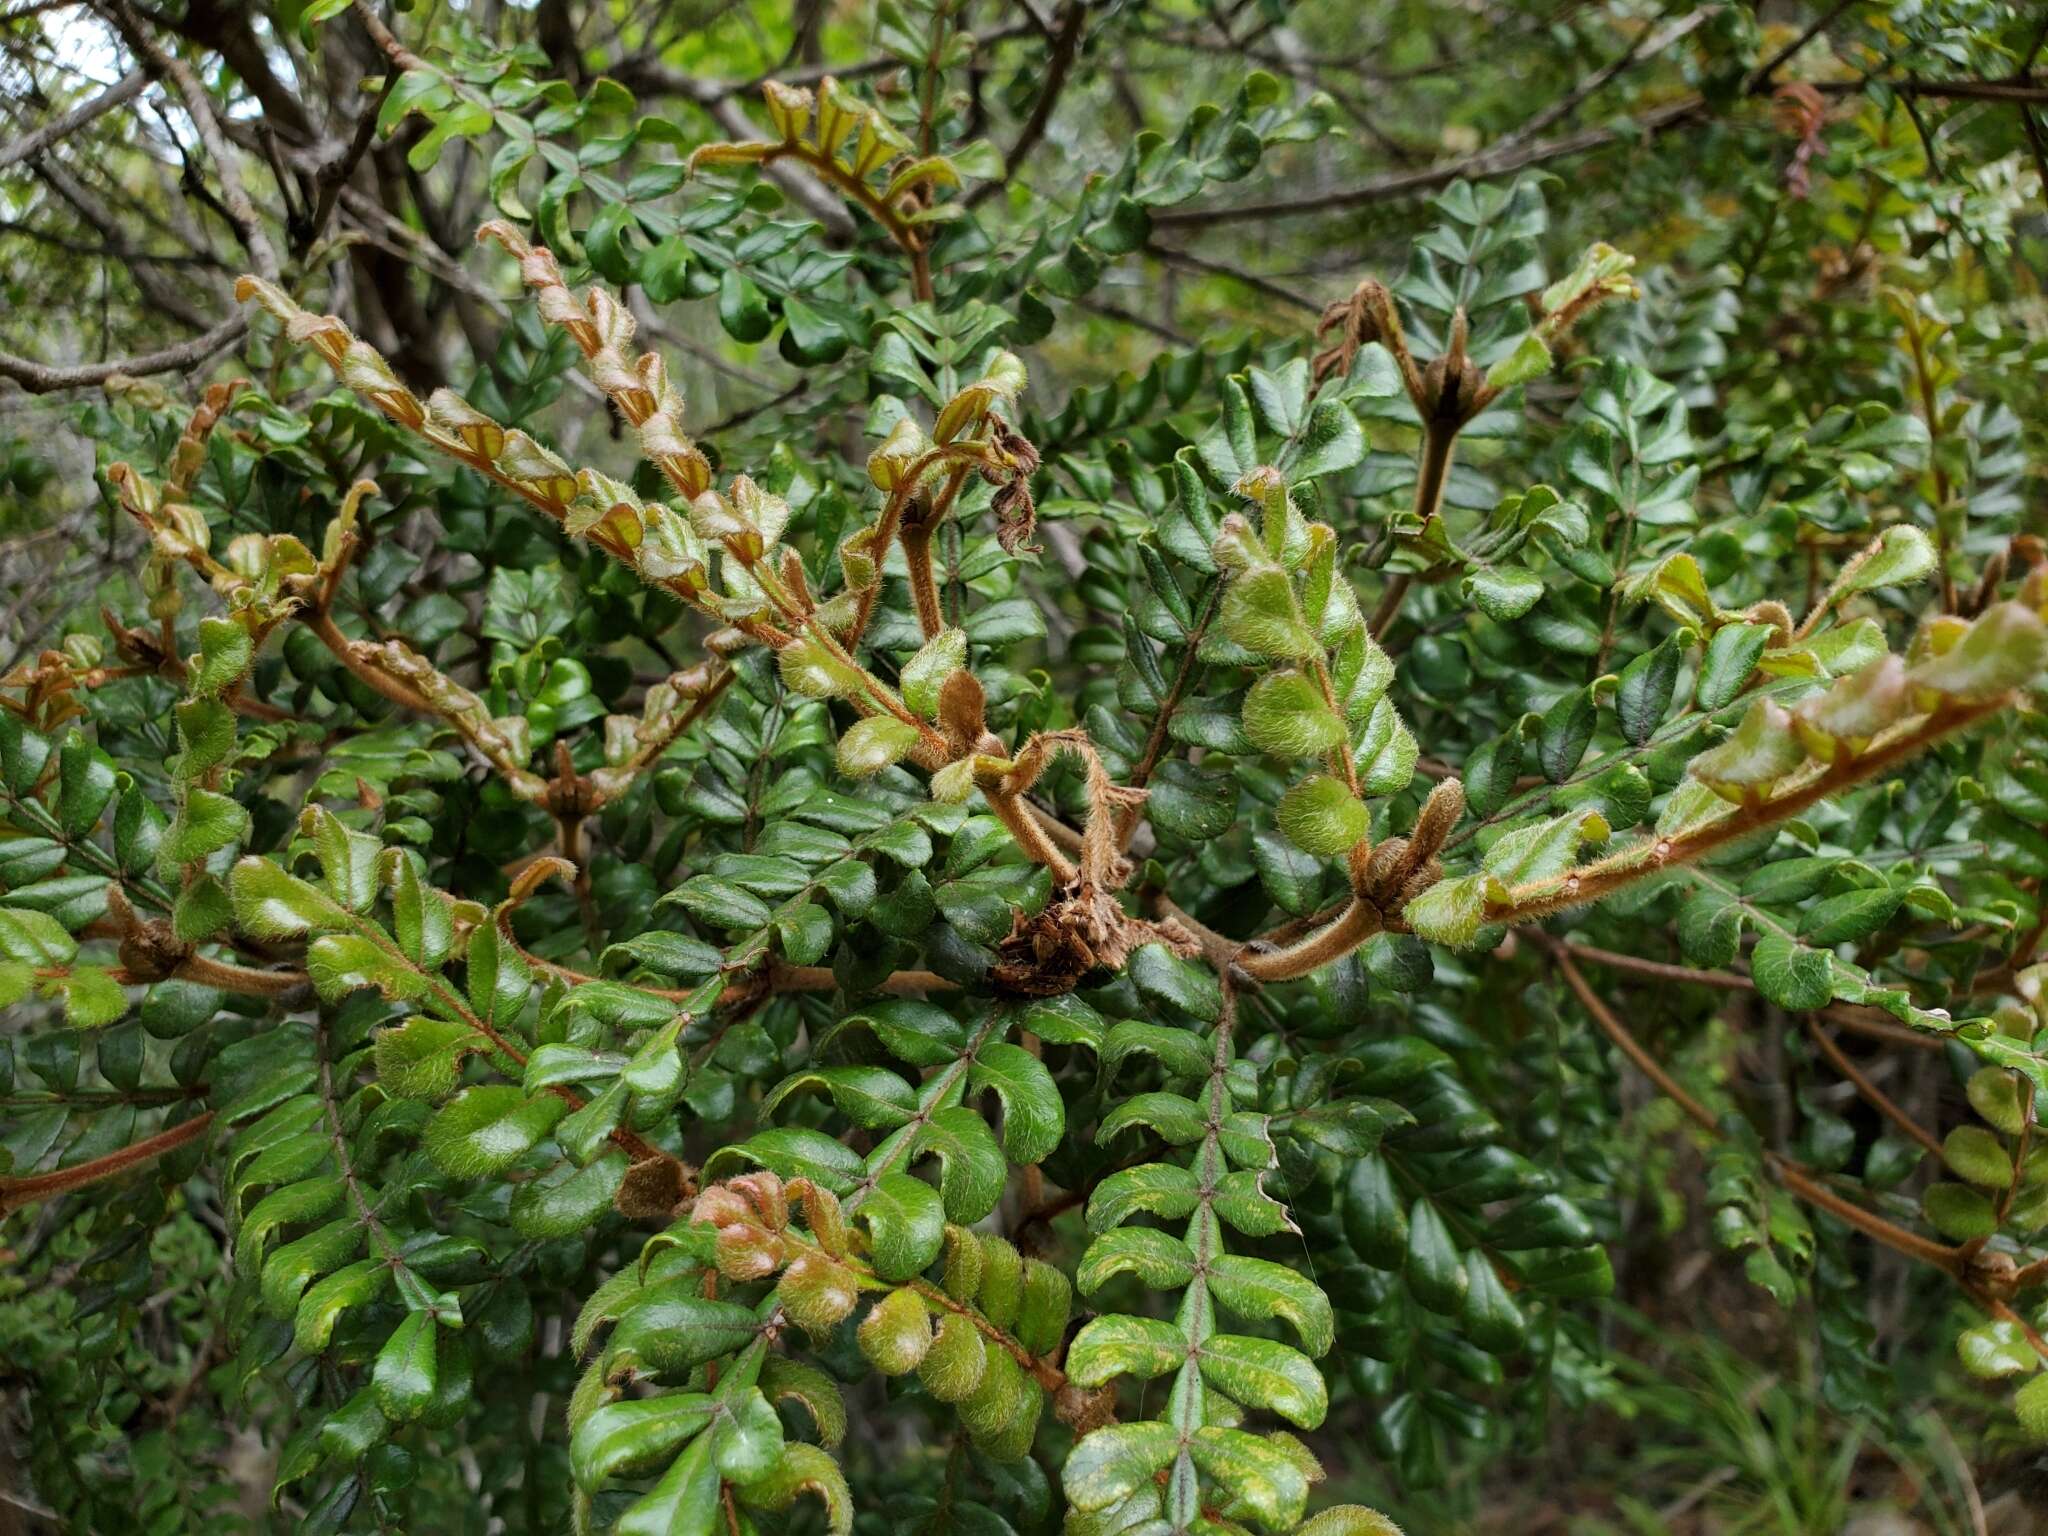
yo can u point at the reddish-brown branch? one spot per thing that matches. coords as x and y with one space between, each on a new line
1358 922
1220 951
782 977
1660 970
1863 1021
1877 1097
1796 1178
238 978
16 1193
924 590
885 533
1802 1183
819 978
246 980
1631 1047
400 55
376 679
1591 882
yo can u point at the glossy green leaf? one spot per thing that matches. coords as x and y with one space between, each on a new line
631 1436
484 1130
1034 1117
905 1223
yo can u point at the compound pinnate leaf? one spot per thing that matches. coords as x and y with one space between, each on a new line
1018 792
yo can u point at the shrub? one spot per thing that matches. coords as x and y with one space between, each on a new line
1061 932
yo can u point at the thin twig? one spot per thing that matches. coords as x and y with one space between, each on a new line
122 91
199 107
1797 1178
44 378
1492 162
1877 1097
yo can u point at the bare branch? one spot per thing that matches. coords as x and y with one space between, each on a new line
1060 62
642 73
241 212
122 91
1511 155
1483 165
41 378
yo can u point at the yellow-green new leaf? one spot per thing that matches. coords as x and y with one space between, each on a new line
1287 715
938 659
1261 614
1763 750
1115 1345
896 1333
878 742
1111 1464
1263 1373
1449 912
2006 647
1321 816
1259 1288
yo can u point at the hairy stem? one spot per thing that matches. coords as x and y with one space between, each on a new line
1591 882
1358 922
1015 813
1432 474
924 591
238 978
16 1193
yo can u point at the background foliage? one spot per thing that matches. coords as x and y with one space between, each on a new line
1127 766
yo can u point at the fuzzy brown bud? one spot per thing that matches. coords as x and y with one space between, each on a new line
763 1190
1440 813
963 710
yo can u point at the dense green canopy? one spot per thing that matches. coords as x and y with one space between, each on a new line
1007 766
